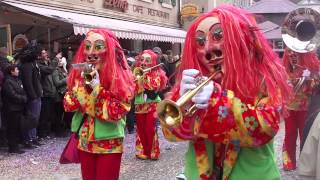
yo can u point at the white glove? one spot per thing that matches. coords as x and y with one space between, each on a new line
306 73
202 98
95 81
188 80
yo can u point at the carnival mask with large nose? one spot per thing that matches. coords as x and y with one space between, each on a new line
293 58
146 60
210 44
95 48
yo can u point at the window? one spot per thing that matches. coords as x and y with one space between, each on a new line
166 3
280 44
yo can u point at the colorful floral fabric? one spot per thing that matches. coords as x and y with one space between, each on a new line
99 105
300 101
155 151
238 125
288 163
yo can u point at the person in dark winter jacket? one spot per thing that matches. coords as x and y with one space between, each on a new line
59 77
3 66
15 99
47 115
30 76
2 123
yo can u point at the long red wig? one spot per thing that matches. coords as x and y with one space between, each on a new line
115 74
306 61
251 67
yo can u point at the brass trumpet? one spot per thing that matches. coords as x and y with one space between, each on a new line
138 72
88 77
88 71
171 112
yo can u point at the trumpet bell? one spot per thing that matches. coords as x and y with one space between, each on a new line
300 30
138 72
88 78
169 112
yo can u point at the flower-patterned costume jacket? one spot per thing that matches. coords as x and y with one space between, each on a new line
300 101
103 127
230 139
145 108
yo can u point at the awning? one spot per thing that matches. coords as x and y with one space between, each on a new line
123 29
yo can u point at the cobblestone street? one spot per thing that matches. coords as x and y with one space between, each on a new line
42 163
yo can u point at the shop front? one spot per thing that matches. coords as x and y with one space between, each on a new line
139 24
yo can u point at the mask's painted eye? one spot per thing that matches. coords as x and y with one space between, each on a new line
201 39
217 34
148 60
99 47
88 47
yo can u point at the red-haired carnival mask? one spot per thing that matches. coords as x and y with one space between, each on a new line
95 48
210 45
294 58
146 60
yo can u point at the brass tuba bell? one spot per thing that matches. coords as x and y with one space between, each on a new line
300 30
171 112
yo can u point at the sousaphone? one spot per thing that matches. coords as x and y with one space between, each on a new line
300 30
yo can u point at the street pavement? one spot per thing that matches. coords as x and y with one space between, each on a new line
42 163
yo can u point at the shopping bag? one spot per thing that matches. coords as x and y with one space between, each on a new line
70 152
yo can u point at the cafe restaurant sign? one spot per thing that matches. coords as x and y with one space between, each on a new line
189 10
121 5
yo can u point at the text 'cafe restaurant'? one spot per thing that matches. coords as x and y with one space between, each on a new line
60 24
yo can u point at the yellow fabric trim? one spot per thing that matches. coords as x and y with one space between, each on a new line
264 125
242 133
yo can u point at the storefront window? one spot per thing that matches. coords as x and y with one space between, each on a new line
167 3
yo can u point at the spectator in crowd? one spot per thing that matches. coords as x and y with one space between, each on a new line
314 106
70 56
161 59
47 115
130 114
170 64
3 66
4 63
30 76
15 99
60 81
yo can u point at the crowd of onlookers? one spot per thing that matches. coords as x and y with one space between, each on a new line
32 88
33 85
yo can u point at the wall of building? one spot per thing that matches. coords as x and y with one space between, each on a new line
145 11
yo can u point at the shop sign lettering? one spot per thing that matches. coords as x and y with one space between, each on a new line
121 5
150 12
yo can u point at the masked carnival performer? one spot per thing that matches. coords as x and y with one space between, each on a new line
100 94
303 70
231 133
148 87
